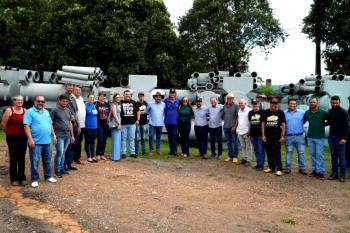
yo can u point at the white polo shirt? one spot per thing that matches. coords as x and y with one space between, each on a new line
243 121
81 113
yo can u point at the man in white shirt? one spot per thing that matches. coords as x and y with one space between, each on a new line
81 114
242 132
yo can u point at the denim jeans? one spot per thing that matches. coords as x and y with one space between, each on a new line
154 130
246 146
69 155
45 151
102 133
116 144
297 142
202 138
90 136
215 135
259 151
128 134
61 147
140 137
337 154
232 143
184 131
316 152
172 137
273 152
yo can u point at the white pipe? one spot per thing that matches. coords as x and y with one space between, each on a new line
79 70
83 77
76 82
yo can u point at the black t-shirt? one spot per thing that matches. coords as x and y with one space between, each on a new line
128 112
255 122
143 112
273 122
103 112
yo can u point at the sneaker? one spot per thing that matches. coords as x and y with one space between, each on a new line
58 175
15 183
313 173
286 171
134 156
219 157
268 170
228 159
35 184
23 182
72 168
342 178
235 161
243 161
319 175
333 176
51 180
185 155
247 164
94 159
123 156
212 156
63 172
259 169
278 173
90 160
302 171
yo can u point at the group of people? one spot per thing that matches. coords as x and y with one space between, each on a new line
265 130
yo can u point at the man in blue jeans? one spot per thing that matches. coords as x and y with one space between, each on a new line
130 117
294 136
338 120
170 120
38 128
141 128
254 132
156 121
230 116
315 137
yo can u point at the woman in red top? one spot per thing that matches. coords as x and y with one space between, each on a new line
12 122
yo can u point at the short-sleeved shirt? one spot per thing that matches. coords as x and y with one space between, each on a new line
317 122
215 116
143 112
129 111
156 113
103 112
255 122
170 116
39 123
294 121
273 122
200 115
91 116
61 118
243 122
230 115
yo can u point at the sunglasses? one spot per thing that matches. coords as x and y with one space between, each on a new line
40 101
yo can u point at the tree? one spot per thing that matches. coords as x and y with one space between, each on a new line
328 22
221 33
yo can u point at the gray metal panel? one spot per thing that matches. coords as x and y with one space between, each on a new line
339 88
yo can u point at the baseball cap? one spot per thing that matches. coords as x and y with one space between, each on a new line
172 90
199 100
141 93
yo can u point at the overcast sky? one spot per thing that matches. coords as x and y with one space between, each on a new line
288 62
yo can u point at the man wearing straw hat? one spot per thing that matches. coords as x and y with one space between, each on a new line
155 109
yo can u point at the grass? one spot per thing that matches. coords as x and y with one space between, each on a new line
290 221
212 174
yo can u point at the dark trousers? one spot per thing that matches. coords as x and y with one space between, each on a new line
347 151
90 136
77 149
184 130
337 155
215 135
273 152
172 137
69 155
17 149
202 138
102 133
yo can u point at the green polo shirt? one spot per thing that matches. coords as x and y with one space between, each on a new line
316 123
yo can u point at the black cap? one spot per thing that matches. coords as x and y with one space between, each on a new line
141 93
199 100
172 90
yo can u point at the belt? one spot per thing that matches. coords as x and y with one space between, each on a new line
295 134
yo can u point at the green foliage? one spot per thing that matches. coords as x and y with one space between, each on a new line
220 34
328 22
290 221
266 90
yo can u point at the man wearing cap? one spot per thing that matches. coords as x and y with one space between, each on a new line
155 110
140 129
254 117
215 126
201 115
273 133
170 120
242 132
230 116
294 136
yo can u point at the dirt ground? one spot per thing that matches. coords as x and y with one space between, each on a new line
143 195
